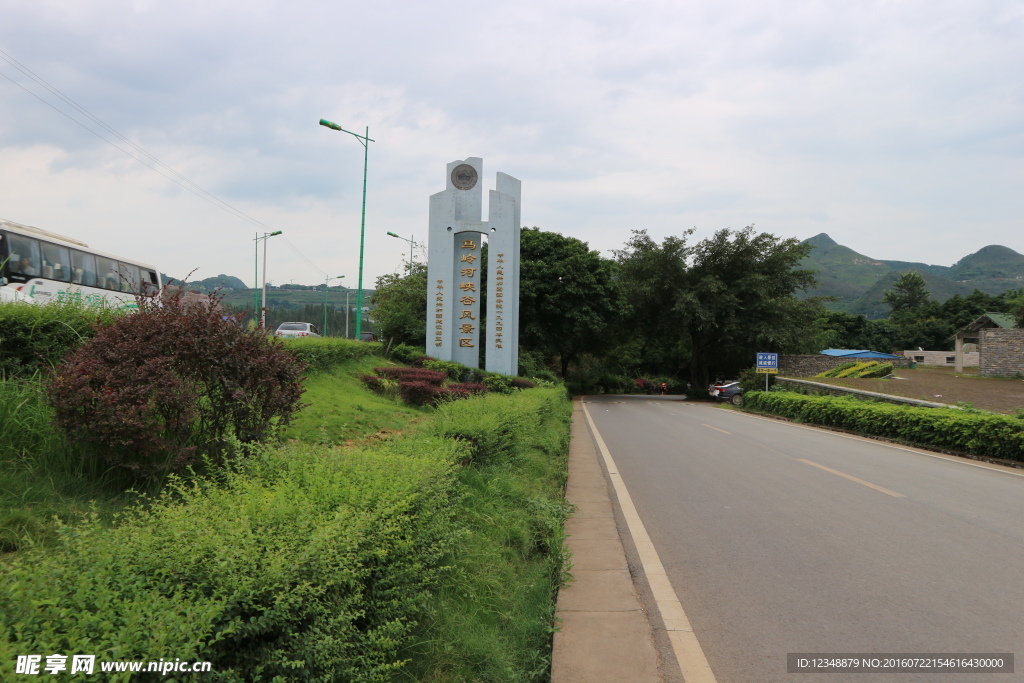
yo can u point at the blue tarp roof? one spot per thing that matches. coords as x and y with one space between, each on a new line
857 353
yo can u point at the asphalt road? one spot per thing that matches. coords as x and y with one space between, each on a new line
781 538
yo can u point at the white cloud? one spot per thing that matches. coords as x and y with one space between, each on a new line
895 127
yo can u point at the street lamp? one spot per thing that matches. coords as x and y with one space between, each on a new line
263 309
365 141
412 243
326 280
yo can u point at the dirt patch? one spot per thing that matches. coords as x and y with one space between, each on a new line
943 385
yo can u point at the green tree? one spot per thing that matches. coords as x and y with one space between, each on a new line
568 298
724 299
910 291
401 306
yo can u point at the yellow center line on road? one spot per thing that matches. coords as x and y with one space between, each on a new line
853 478
715 428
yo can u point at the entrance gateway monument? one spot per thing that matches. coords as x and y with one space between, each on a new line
453 270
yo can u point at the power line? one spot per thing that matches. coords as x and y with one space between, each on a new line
178 179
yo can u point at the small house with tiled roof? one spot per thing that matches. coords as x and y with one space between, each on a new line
1000 345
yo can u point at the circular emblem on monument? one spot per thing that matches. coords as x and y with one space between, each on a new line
464 177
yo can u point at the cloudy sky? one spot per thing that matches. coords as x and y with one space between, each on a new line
896 126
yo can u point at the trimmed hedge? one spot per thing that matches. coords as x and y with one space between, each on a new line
834 372
323 353
973 432
312 564
435 377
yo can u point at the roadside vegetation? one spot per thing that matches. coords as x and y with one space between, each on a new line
966 430
362 538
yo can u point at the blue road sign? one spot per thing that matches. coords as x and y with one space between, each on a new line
768 362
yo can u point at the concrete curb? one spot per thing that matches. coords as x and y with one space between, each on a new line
604 634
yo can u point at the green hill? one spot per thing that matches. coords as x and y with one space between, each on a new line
857 282
870 303
992 269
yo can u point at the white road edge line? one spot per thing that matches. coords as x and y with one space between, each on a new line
688 652
917 451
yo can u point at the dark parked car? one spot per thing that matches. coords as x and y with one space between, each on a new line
730 391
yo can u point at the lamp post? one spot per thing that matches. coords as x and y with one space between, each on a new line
336 277
263 309
365 141
412 243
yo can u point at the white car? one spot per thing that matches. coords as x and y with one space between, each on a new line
297 330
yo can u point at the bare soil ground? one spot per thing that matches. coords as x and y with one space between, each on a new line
942 385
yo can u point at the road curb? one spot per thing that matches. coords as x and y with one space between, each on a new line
604 634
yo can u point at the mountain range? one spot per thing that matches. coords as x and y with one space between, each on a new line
858 282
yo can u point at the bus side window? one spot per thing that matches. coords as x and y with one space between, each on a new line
55 262
129 278
106 273
149 286
24 256
83 268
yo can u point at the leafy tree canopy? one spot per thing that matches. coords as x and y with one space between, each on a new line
568 297
401 306
724 299
910 291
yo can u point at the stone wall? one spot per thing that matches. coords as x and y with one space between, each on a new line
810 365
1002 352
946 358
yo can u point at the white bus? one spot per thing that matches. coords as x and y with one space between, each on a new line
40 266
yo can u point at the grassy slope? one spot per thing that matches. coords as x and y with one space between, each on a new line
491 618
342 410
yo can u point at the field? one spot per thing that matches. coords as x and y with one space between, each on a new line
943 385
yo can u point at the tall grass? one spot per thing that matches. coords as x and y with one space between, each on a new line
41 474
493 617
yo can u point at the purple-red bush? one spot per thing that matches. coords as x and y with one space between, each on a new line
520 383
418 393
157 388
372 382
435 377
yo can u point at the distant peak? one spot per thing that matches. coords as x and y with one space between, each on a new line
821 240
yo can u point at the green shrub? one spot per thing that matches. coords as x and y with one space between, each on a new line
499 384
878 370
158 387
323 353
456 372
312 564
988 434
856 369
493 426
404 353
34 336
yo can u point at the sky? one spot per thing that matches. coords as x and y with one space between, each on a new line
897 127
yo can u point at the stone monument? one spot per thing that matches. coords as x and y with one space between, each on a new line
454 288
